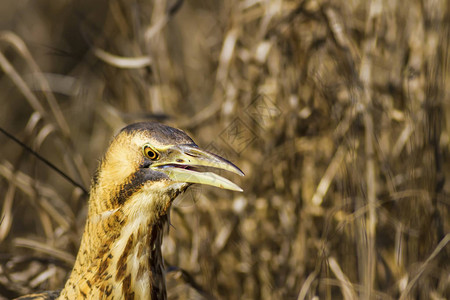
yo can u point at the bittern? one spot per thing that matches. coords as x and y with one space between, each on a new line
146 166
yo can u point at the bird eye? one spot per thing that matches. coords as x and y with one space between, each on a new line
150 152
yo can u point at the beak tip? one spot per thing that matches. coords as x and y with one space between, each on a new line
238 171
232 187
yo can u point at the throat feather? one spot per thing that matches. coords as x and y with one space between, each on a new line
138 260
120 253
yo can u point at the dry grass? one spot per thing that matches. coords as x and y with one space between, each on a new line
337 111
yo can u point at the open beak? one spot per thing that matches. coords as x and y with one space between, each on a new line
187 163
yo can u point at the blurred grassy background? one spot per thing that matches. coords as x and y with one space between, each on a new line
337 111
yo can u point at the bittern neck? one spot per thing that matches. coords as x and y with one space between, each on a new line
120 253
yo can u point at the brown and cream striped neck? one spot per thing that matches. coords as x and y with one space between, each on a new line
120 254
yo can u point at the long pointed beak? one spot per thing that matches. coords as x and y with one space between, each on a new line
184 163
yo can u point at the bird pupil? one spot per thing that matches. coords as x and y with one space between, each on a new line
150 153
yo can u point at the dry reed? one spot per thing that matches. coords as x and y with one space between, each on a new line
337 111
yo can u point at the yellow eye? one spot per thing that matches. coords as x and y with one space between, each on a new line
150 152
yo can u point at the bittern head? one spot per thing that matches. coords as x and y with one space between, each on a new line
154 159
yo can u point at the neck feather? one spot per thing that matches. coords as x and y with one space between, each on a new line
120 253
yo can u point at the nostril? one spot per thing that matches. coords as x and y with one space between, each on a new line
180 160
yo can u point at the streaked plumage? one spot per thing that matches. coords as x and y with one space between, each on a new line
145 168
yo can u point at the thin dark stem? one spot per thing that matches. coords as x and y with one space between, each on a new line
48 163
